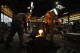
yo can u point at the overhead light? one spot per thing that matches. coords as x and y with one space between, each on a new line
57 2
28 7
31 7
51 10
65 13
42 16
60 7
30 10
31 4
55 11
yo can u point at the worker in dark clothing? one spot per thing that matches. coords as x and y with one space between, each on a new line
18 25
34 32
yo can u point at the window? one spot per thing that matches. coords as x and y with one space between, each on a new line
5 18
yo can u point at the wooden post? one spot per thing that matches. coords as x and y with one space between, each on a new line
68 19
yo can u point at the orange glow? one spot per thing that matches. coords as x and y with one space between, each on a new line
29 16
40 33
48 18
